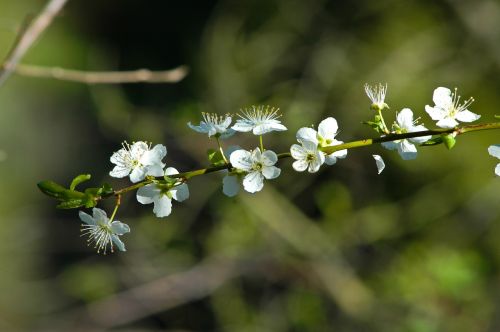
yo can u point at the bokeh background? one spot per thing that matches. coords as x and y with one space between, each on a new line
413 249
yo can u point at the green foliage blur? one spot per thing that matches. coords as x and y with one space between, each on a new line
413 249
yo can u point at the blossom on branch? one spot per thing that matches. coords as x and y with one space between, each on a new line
260 120
161 195
102 231
307 156
214 125
258 166
138 160
494 150
448 110
405 124
376 94
324 137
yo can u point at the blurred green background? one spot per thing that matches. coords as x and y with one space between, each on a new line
414 249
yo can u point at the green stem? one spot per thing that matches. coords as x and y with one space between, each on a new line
261 144
328 150
386 130
221 150
118 201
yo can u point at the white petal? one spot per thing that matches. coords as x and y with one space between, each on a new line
241 159
119 244
253 182
138 149
379 162
119 228
227 122
406 150
119 171
421 139
155 170
316 163
243 125
447 123
467 116
310 146
230 185
340 154
99 215
390 145
271 172
171 171
307 134
330 159
154 156
118 157
497 170
328 128
180 193
298 152
405 118
269 158
300 165
163 206
267 127
227 133
435 113
148 193
442 97
138 174
86 218
494 150
200 128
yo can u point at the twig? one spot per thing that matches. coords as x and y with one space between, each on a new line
28 36
104 77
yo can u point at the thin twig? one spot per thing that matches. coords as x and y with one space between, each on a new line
28 36
104 77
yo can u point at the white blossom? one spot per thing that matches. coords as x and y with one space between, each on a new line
231 181
379 162
214 125
138 160
376 94
494 150
103 232
260 120
161 195
448 110
258 166
307 156
324 137
405 124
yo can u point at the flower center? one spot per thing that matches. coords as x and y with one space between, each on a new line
258 166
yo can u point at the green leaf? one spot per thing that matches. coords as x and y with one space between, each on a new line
106 189
215 157
434 141
71 204
79 179
52 189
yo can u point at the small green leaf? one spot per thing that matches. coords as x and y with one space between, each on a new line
71 204
449 141
52 189
434 141
106 189
215 157
79 179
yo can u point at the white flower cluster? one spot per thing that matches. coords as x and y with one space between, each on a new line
141 162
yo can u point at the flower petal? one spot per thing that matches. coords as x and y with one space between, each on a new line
119 244
230 185
120 171
267 127
241 159
497 170
154 156
406 150
138 174
271 172
180 193
163 206
243 125
328 128
253 182
316 163
494 150
200 128
442 97
171 171
405 118
467 116
119 228
379 162
269 158
390 145
298 152
99 216
435 113
138 149
300 165
148 193
447 123
155 170
307 134
86 218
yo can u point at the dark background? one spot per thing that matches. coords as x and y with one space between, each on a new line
413 249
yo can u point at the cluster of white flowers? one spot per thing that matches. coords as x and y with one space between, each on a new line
141 162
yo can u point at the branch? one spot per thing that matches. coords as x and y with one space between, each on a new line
104 77
28 36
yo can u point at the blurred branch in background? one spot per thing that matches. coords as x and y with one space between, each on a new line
28 35
104 77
